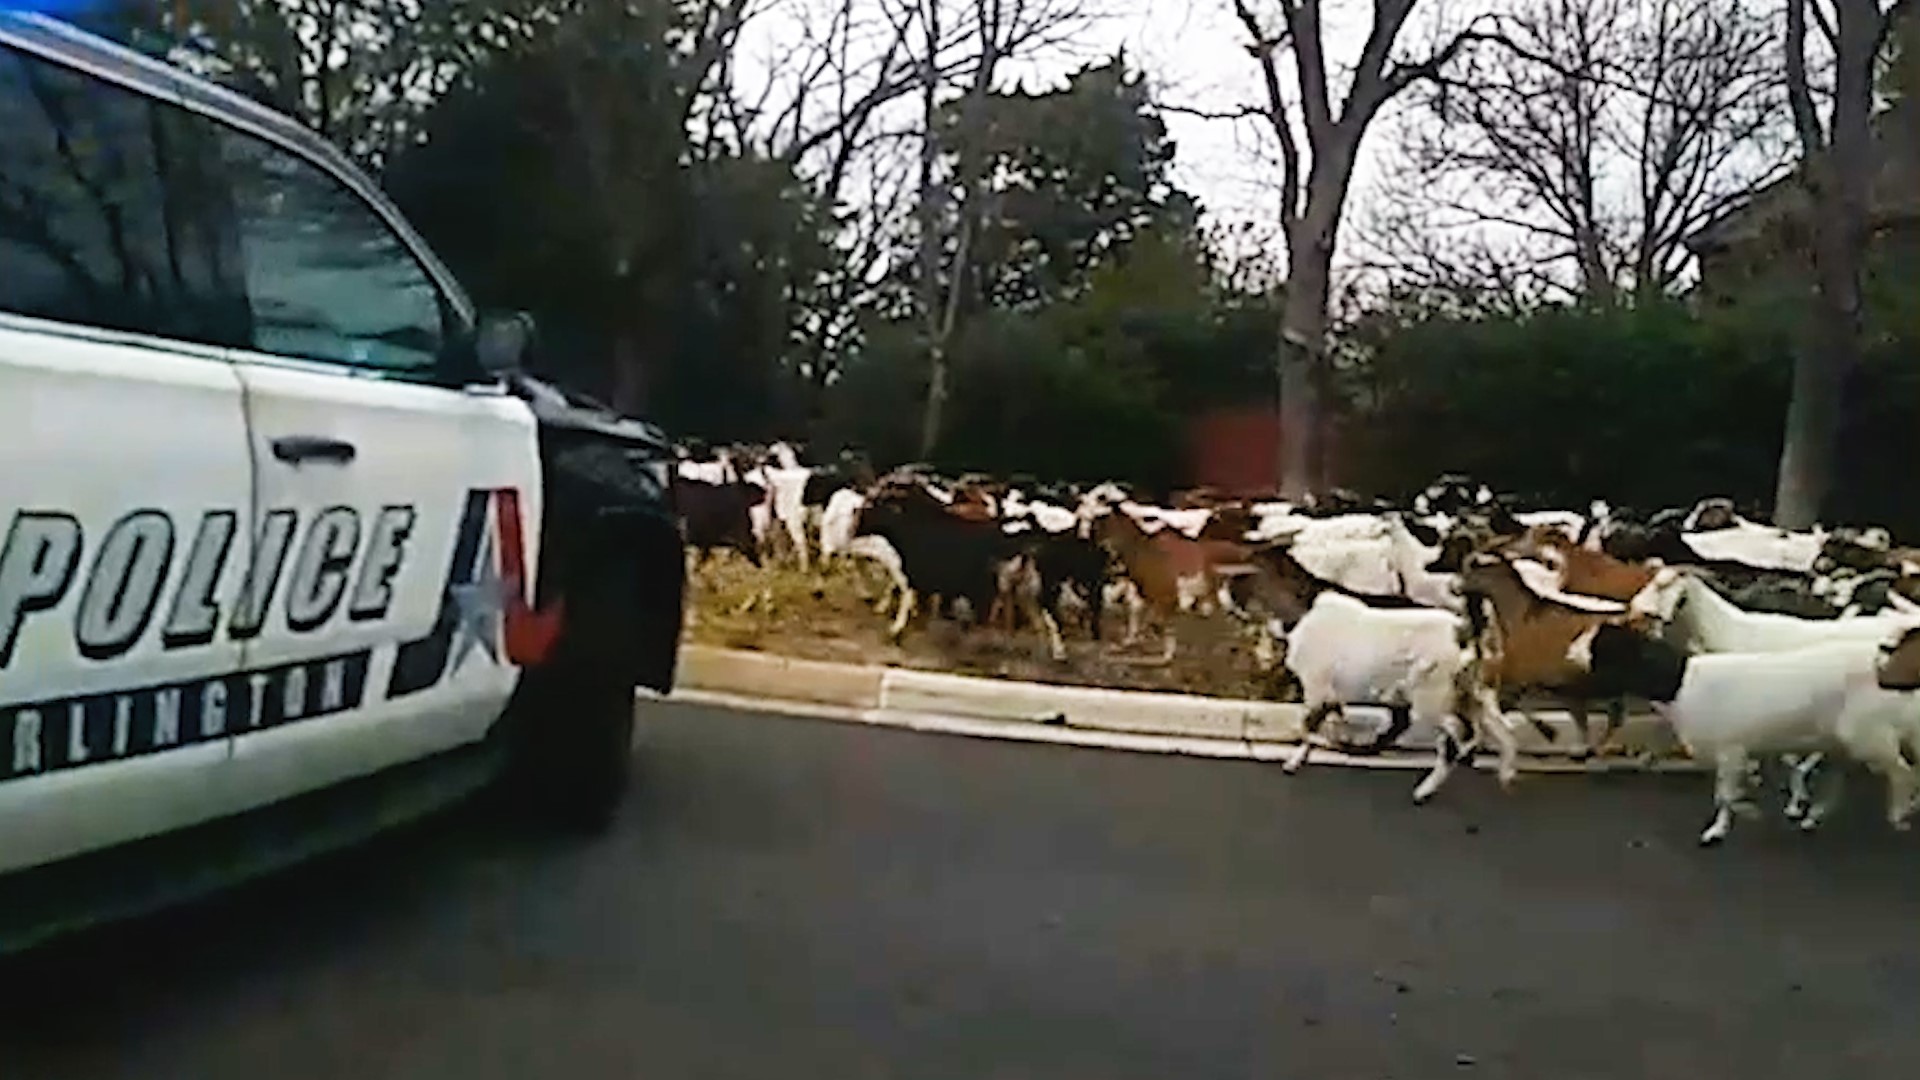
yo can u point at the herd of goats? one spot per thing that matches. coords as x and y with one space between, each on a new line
1459 610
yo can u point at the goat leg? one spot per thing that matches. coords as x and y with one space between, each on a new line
1399 719
1729 787
1309 731
1545 729
1038 614
1487 717
1610 725
1446 757
908 597
1804 773
998 617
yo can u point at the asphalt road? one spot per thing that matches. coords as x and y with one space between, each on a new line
794 899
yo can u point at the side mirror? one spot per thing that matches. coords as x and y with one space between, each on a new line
503 342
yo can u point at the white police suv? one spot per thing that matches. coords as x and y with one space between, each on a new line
289 547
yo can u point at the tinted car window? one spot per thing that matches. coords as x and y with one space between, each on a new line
85 234
325 277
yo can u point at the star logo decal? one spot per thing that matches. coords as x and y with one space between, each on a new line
479 609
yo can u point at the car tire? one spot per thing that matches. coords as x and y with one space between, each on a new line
572 762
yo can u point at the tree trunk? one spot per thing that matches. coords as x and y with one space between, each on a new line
1302 358
928 212
1828 356
935 414
1838 179
1813 428
1301 353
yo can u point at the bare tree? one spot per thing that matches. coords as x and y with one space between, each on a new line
850 88
1837 170
631 78
1600 135
1405 246
996 31
1319 141
359 72
940 301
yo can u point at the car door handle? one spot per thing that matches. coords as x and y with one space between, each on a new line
294 449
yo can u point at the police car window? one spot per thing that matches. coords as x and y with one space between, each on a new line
325 277
84 230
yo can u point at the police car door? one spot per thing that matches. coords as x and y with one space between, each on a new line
124 475
399 507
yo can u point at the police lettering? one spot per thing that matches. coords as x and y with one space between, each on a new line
124 585
306 571
195 613
36 566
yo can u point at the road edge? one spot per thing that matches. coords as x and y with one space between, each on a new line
1089 717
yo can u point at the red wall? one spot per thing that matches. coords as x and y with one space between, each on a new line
1237 450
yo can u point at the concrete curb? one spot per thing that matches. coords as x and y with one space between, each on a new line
760 674
1146 721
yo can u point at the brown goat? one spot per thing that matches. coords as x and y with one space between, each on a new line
1525 644
1899 666
1230 522
1170 572
1583 572
973 502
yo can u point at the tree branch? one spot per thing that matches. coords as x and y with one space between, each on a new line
1265 51
1813 140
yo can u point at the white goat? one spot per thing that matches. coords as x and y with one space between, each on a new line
838 522
1726 708
785 504
718 471
1360 565
1410 558
880 551
1151 519
1758 546
1699 620
1564 521
1346 653
1342 527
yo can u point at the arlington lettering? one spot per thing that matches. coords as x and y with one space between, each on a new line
67 734
330 564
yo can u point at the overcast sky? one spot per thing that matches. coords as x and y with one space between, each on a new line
1193 52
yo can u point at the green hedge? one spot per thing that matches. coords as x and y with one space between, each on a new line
1652 406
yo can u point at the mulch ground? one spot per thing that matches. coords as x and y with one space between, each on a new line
829 615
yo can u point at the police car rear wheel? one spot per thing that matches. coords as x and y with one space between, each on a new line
574 761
